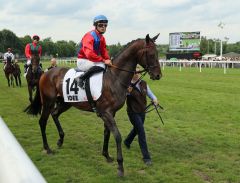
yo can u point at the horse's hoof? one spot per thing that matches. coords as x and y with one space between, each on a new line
59 143
120 173
48 151
110 159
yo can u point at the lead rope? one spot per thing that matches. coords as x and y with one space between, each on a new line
147 110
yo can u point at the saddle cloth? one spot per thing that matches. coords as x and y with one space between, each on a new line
73 93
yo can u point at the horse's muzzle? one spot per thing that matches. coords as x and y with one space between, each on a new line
155 77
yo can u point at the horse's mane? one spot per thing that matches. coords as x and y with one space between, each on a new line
125 47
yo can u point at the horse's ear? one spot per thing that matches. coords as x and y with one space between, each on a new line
155 37
147 38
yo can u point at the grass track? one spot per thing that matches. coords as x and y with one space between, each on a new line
198 143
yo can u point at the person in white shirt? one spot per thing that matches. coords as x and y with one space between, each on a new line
8 56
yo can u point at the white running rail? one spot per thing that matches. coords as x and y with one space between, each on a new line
15 166
200 64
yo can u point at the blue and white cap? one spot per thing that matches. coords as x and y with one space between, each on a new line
100 19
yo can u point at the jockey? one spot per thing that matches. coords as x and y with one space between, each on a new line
8 56
31 48
93 54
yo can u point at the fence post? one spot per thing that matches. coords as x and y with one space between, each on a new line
224 68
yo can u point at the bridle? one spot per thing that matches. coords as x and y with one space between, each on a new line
145 70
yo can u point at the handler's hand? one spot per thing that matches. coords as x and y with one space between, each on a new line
155 102
129 89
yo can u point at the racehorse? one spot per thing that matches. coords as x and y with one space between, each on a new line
17 74
9 72
49 96
33 75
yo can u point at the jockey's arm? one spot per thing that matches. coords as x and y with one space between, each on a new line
5 57
27 51
40 51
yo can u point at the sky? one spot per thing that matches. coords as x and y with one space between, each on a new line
128 19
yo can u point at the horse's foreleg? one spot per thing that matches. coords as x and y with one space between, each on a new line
111 124
7 77
43 123
8 81
59 109
105 144
19 80
30 93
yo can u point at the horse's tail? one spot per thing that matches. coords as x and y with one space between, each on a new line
35 107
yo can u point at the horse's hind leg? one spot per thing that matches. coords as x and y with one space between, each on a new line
30 93
59 109
43 123
105 144
16 80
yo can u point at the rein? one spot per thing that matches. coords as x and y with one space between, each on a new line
148 109
116 67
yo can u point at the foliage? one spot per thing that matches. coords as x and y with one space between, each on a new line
114 49
210 46
9 40
198 143
68 48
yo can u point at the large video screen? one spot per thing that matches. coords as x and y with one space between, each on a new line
189 41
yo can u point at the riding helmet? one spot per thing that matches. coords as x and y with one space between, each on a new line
100 19
36 37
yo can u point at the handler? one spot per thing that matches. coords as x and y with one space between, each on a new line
136 105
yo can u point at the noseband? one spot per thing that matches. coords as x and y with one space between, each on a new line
147 68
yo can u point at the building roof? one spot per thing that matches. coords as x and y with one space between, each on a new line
231 54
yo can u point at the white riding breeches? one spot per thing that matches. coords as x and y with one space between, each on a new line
84 64
28 62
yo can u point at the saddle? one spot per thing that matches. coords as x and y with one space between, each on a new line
73 93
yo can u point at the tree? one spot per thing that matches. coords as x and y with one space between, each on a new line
114 49
204 45
9 40
66 49
48 47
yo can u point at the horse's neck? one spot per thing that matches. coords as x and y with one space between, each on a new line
35 59
127 60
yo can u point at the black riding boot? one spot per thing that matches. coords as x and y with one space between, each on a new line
39 69
25 68
81 79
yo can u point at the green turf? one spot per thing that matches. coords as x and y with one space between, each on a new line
200 141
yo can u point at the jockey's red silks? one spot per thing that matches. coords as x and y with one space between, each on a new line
93 47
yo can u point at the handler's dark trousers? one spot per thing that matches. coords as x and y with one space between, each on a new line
137 120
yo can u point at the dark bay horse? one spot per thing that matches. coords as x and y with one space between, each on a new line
17 74
8 70
33 75
49 96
